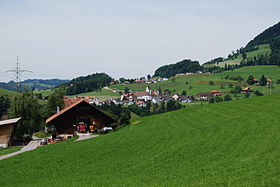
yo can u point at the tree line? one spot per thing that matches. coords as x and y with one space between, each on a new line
88 83
184 66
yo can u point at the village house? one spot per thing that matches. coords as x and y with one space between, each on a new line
92 100
269 81
7 131
216 93
115 90
176 97
79 117
143 96
204 96
246 90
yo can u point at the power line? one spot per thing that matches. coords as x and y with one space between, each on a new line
18 72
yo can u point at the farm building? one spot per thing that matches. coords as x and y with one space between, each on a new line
204 96
216 93
246 90
7 129
79 117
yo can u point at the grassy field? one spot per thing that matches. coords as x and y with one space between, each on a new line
7 92
102 95
200 82
262 50
232 143
9 150
44 92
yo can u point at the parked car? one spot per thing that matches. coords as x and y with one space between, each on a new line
106 129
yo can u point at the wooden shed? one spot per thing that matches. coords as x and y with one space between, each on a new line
7 130
79 117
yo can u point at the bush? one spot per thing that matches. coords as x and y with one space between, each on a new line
218 99
258 93
278 81
211 83
247 95
227 98
211 100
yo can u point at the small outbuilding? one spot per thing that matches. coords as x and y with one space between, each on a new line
7 131
79 117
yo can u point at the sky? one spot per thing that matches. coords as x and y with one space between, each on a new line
123 38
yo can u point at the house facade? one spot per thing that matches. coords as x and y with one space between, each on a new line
7 131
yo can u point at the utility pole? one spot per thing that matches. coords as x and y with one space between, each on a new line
18 71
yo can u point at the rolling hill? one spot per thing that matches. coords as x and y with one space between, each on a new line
266 44
196 83
234 143
39 84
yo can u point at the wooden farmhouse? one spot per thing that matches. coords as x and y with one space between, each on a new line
7 131
79 117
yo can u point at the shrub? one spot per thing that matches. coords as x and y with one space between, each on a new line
258 93
247 95
211 83
218 99
227 98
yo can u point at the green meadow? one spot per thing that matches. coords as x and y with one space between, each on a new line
7 92
9 150
102 95
234 143
194 84
262 50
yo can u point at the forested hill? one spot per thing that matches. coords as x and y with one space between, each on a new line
39 84
87 83
267 37
184 66
264 49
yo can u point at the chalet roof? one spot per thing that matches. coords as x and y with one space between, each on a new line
9 121
216 91
204 94
141 94
70 101
70 107
247 88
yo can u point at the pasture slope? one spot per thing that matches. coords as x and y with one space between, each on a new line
233 143
200 82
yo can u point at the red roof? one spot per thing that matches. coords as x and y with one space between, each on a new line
141 94
70 101
91 97
216 91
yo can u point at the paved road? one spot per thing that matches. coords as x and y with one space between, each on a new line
32 145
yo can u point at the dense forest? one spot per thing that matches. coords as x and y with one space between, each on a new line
87 83
184 66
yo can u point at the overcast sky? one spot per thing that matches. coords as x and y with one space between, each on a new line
124 38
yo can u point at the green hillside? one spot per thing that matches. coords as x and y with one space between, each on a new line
263 49
233 143
200 82
6 92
